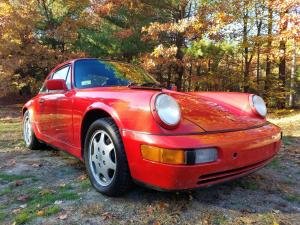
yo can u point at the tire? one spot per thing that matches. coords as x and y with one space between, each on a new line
29 137
105 158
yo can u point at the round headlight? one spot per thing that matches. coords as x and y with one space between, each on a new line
167 109
259 105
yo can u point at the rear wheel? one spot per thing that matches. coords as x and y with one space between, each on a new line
105 158
30 139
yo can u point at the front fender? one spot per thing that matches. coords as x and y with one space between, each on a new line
27 106
107 109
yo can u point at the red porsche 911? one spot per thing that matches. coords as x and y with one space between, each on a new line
126 127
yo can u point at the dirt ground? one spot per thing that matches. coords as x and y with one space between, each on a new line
51 187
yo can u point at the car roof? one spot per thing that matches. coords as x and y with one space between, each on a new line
93 58
71 61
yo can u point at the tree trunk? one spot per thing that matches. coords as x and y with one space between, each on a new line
259 22
179 57
282 62
190 77
169 76
258 67
269 48
180 72
293 73
247 61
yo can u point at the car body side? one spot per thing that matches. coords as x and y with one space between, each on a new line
66 117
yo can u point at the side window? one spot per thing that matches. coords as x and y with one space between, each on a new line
68 79
65 74
61 74
43 88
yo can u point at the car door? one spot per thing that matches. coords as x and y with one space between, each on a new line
47 108
43 115
63 125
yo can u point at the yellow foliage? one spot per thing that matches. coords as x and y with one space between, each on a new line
5 8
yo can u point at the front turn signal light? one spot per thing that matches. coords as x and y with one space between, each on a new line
162 155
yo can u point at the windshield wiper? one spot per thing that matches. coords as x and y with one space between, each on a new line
131 84
151 84
146 84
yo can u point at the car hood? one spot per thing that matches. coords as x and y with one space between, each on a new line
213 115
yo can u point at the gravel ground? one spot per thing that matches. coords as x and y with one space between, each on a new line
51 187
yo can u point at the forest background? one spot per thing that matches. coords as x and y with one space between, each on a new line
198 45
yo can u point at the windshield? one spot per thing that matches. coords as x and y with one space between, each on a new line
96 73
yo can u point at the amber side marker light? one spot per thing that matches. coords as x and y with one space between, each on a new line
162 155
179 156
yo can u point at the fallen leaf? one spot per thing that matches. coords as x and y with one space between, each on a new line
19 183
55 153
107 215
36 165
40 213
82 177
58 202
63 216
46 191
163 205
15 211
23 206
11 162
149 210
62 185
23 198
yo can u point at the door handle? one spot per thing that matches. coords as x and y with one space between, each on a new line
41 100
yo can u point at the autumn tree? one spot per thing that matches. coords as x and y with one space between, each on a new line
115 31
35 36
186 21
247 45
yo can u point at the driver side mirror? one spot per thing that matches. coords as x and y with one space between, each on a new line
56 84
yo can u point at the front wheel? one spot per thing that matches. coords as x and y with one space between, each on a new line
30 139
105 158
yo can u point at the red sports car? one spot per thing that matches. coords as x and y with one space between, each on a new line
126 127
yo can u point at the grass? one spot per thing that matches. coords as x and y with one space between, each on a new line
246 184
268 218
277 113
41 203
85 184
13 177
213 218
10 127
219 219
5 191
293 198
93 209
11 135
22 218
250 185
51 210
275 164
287 140
11 144
2 216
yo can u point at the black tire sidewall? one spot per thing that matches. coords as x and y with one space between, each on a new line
121 177
31 145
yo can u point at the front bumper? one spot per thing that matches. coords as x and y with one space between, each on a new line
240 153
